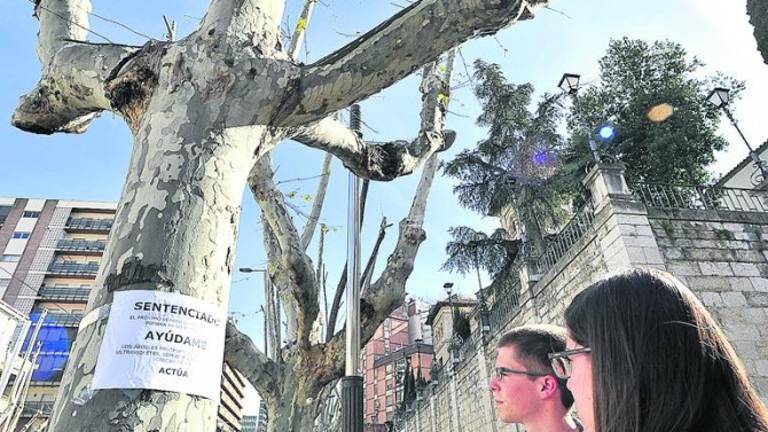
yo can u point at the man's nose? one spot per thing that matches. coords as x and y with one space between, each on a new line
493 384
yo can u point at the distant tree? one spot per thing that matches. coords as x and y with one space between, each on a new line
461 326
472 250
513 167
635 76
758 16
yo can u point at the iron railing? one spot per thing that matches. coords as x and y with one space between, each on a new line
89 224
61 319
572 232
64 293
664 196
506 300
80 245
73 269
32 407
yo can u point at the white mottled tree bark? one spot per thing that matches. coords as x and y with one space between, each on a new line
202 110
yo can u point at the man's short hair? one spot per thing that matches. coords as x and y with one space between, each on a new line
533 343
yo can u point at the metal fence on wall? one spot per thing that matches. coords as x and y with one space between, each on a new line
664 196
572 232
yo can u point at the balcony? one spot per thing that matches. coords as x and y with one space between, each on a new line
64 294
81 247
32 407
73 269
88 225
61 319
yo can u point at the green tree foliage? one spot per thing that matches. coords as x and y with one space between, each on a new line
758 16
472 250
635 76
513 166
461 326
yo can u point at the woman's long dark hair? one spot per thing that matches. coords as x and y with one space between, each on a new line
660 362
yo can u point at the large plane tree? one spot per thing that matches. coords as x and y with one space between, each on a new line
203 110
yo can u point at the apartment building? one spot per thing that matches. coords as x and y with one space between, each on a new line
50 252
401 343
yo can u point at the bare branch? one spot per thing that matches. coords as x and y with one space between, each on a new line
71 91
241 353
298 270
60 21
249 21
317 207
381 161
369 266
411 38
388 292
301 29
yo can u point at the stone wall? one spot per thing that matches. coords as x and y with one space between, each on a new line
721 255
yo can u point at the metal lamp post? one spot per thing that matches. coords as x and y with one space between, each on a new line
485 323
569 83
267 297
352 382
720 98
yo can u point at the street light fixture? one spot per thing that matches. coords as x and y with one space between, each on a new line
270 315
569 83
720 97
485 323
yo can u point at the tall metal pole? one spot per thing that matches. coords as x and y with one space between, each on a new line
752 153
352 383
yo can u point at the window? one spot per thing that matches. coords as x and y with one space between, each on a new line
10 258
31 214
4 283
20 235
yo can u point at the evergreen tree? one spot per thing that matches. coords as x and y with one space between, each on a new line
634 77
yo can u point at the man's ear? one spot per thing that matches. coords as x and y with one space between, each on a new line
548 387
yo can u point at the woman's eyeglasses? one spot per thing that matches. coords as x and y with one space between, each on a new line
561 361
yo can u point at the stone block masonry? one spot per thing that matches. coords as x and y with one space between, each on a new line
721 254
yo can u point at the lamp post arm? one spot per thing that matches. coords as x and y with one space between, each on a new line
736 125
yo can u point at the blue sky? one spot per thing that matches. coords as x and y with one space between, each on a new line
570 38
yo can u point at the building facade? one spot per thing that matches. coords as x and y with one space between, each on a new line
50 252
402 344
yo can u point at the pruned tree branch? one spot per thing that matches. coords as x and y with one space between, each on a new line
301 28
411 38
249 21
242 354
71 91
317 206
369 266
388 292
298 275
382 162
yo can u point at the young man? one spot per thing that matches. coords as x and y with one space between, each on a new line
524 386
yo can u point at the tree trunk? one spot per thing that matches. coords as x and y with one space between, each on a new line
175 231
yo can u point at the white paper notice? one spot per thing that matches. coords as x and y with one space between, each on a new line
162 341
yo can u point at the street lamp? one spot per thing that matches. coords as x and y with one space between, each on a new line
485 323
569 83
720 98
448 287
269 314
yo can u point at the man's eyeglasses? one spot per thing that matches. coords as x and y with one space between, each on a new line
561 361
500 372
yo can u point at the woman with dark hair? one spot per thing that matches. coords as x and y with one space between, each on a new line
643 355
